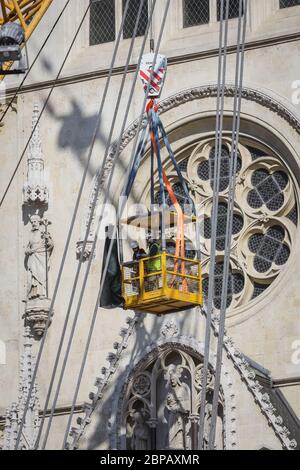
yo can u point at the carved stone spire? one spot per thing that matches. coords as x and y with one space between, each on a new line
35 189
15 413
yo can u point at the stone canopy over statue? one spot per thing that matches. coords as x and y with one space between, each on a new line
38 255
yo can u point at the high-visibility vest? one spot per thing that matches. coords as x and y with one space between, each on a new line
154 265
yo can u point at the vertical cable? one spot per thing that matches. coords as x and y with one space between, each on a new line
119 215
57 284
230 211
34 61
222 64
152 44
83 249
68 237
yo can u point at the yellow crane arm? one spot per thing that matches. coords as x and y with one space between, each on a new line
28 13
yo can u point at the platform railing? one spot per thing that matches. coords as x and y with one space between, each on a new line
144 279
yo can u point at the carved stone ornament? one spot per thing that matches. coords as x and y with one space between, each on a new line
169 329
168 401
37 261
36 315
35 190
190 345
15 413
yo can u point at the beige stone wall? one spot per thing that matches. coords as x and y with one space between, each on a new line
266 329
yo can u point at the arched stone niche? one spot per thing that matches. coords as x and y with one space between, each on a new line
158 402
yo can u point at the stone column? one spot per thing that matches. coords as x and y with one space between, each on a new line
153 425
194 420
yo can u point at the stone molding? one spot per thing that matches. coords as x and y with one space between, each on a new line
191 346
102 382
262 399
233 353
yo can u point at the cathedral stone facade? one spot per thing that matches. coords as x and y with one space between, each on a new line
136 362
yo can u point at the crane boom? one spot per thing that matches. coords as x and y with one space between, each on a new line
28 13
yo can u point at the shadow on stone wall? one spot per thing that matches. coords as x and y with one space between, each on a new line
100 436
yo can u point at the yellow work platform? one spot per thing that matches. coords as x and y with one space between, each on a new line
162 284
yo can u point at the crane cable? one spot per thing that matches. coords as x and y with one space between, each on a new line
156 125
17 92
87 232
96 192
222 65
152 44
45 104
71 228
243 9
119 215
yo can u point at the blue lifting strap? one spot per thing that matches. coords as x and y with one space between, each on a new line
154 125
137 160
171 154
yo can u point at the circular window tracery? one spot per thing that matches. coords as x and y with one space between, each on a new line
267 189
269 248
264 221
237 226
207 167
236 283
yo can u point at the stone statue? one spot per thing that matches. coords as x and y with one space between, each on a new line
178 406
207 424
140 436
38 254
219 444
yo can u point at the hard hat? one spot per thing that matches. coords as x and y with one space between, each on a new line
134 244
171 242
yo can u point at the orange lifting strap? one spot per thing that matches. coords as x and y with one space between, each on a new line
180 251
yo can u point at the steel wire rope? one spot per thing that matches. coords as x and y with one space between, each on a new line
56 363
243 7
92 213
89 337
17 92
45 104
222 65
66 248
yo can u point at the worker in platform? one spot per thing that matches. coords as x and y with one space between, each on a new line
153 264
171 250
138 253
154 247
171 247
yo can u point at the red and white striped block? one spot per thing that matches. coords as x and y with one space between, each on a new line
158 75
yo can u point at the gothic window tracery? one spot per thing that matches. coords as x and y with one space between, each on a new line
162 404
265 215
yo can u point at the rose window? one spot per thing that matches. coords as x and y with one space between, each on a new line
237 226
236 284
264 221
207 167
269 248
267 189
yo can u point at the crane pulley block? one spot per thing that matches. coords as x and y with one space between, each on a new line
18 20
155 75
